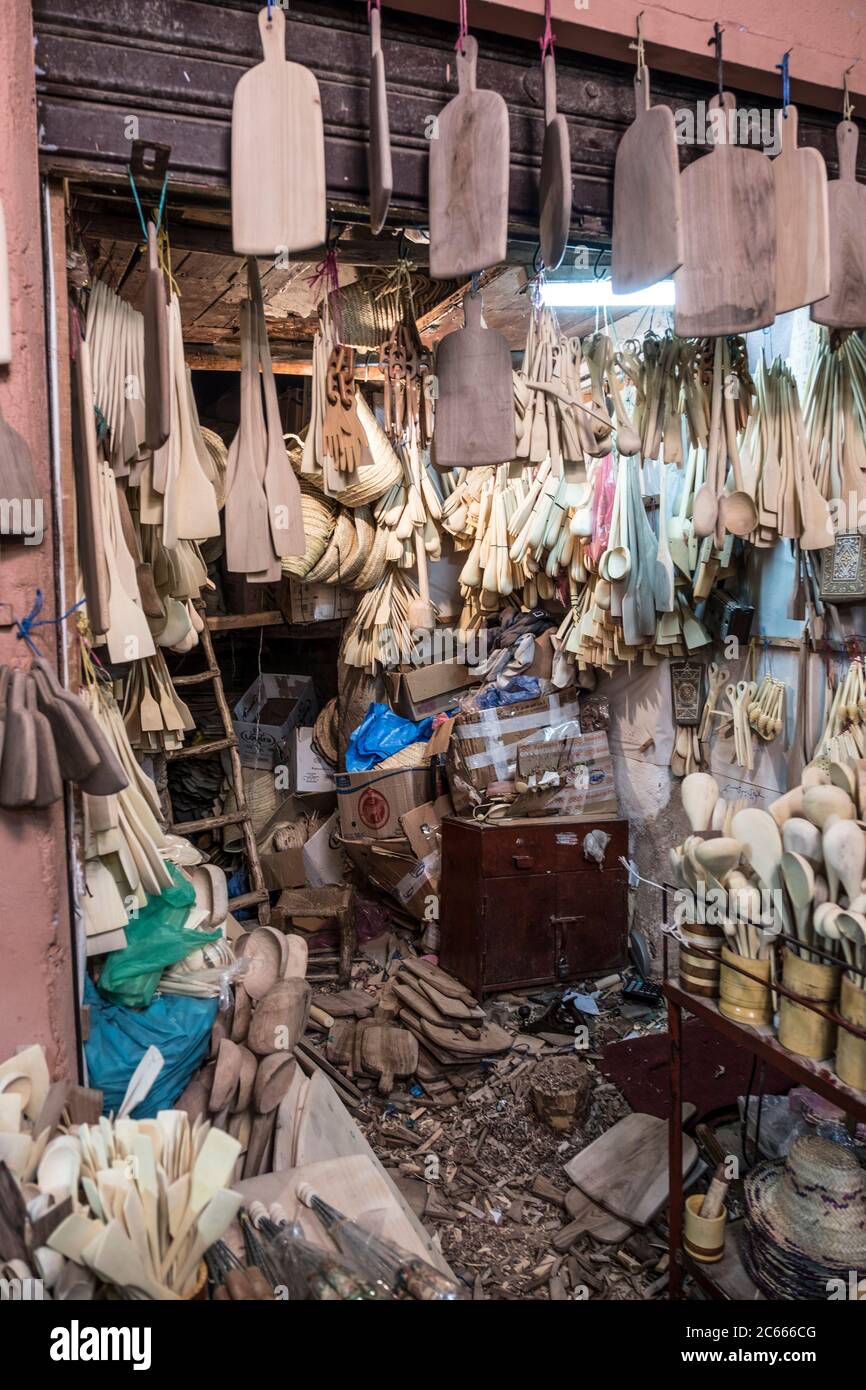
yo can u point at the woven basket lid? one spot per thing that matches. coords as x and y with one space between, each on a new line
814 1203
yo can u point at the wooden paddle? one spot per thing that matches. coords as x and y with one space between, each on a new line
647 198
475 406
845 305
249 549
802 220
49 783
469 177
555 193
157 387
379 168
91 525
278 152
19 772
727 281
282 489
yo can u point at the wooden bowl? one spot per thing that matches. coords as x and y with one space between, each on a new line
280 1018
273 1079
246 1080
263 956
243 1012
226 1076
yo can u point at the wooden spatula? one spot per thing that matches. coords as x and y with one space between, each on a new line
49 784
249 549
802 220
727 281
157 387
91 524
109 776
278 178
845 305
555 193
379 152
475 408
76 754
647 199
469 177
282 489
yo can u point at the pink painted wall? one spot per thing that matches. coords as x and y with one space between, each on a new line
825 37
36 986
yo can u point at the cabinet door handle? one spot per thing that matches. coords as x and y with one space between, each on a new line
562 963
522 861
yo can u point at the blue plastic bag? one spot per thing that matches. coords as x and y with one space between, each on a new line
380 734
177 1024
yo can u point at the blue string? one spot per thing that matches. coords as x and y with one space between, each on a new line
32 619
269 11
141 216
786 83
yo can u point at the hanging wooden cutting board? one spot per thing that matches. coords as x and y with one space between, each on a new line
727 281
475 405
647 197
626 1169
468 177
278 152
555 194
802 220
845 305
379 168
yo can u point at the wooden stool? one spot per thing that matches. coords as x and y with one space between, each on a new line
334 900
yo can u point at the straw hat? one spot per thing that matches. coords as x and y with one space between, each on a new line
219 457
325 731
413 755
319 515
806 1219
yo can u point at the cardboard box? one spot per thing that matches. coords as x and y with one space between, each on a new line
309 772
267 713
370 804
411 882
283 869
429 689
567 776
483 746
323 857
319 603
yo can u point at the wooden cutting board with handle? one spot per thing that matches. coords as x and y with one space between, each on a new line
475 405
468 177
626 1169
157 383
278 152
802 220
379 169
727 281
647 197
388 1053
555 193
845 305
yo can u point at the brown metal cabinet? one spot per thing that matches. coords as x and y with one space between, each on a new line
521 905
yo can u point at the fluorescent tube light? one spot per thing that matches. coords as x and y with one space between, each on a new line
590 294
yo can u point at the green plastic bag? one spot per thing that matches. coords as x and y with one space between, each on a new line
156 938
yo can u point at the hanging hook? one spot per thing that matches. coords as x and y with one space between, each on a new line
596 273
641 55
464 28
847 104
716 42
786 83
548 38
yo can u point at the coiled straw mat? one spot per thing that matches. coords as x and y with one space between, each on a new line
369 481
319 514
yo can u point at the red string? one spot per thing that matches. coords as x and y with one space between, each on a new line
327 279
548 38
464 27
370 4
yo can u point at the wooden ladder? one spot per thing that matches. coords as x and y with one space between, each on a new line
258 894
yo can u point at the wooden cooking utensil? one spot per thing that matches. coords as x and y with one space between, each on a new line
157 386
109 776
91 523
249 549
282 489
844 845
802 220
647 197
555 192
278 152
727 281
699 793
49 783
76 753
475 407
469 177
379 170
845 305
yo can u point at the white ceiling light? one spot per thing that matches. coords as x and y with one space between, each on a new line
591 294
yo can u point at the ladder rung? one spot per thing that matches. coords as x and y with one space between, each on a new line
199 678
200 750
188 827
249 899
